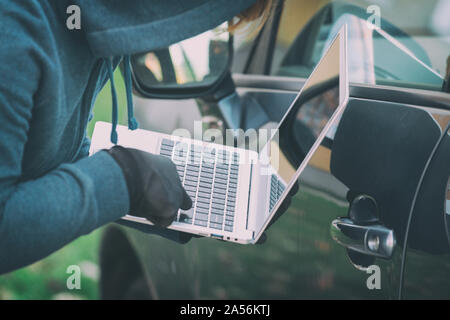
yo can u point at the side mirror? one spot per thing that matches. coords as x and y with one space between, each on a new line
189 69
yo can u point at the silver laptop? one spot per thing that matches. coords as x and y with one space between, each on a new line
236 192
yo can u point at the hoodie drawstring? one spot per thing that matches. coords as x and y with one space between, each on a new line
114 101
132 123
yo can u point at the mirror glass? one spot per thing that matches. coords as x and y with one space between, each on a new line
376 56
195 62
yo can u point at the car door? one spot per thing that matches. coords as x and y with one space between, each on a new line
383 129
427 261
377 153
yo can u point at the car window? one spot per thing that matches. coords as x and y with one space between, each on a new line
242 45
410 49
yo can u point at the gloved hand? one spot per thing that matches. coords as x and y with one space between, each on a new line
154 187
282 209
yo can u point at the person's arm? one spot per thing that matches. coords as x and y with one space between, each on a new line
84 149
40 216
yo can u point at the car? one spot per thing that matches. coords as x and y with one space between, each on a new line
371 219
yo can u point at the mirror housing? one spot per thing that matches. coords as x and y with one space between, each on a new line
193 68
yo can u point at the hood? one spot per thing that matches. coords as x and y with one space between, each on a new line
120 27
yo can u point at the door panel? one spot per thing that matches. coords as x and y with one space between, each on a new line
300 259
428 256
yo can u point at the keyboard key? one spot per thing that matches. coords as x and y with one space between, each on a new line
204 190
218 201
229 218
205 185
220 181
218 186
216 218
193 165
207 175
192 175
201 216
230 211
202 205
190 188
201 223
228 223
218 196
222 167
217 211
190 183
207 164
233 175
204 195
193 169
222 171
221 176
218 206
215 226
209 160
218 191
202 210
230 205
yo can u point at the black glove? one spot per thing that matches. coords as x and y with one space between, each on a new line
282 209
154 187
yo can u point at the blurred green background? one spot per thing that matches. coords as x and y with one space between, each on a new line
47 278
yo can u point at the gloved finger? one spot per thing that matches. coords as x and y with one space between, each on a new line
162 222
187 201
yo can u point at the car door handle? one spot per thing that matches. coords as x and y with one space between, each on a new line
373 240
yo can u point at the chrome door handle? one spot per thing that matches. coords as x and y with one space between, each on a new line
373 240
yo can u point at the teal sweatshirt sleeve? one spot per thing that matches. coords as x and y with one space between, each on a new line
40 215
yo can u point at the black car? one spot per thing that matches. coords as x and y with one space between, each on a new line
371 219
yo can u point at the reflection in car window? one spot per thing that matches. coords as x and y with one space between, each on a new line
420 32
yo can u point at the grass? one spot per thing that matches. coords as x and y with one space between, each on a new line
47 278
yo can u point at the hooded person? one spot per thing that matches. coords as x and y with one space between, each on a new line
51 192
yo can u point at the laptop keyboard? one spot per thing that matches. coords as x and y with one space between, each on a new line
276 190
210 177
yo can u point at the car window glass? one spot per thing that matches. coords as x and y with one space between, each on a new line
411 51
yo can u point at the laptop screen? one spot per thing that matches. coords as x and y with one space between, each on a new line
307 120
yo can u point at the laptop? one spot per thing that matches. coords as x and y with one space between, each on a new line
236 192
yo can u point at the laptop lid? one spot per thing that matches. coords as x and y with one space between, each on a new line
313 114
